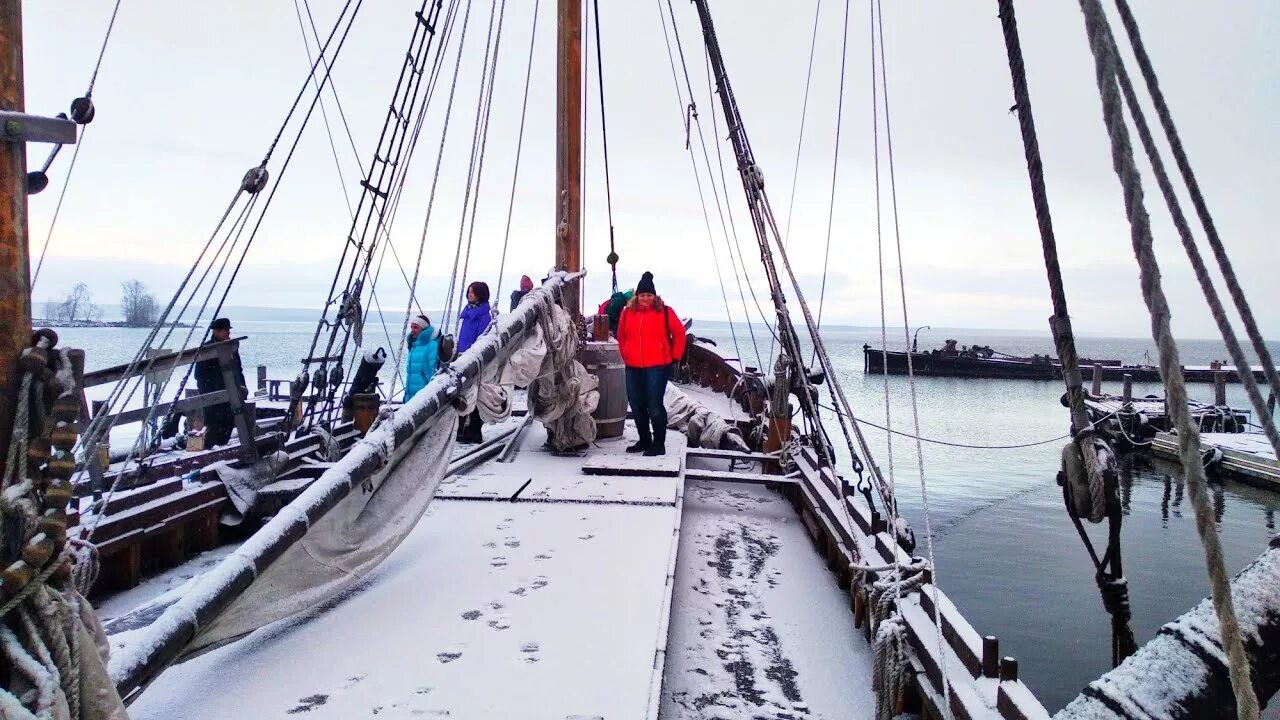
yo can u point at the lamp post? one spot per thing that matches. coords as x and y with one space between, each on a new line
916 334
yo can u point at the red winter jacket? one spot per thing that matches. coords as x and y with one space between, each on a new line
643 335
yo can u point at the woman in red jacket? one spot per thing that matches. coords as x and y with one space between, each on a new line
651 338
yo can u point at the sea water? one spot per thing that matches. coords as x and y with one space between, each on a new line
1005 550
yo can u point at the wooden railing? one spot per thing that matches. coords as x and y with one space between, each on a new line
979 682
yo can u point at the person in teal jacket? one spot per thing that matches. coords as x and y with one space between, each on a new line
424 350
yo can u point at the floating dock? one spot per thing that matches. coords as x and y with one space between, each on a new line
1246 457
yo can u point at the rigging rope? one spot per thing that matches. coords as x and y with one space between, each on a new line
1184 230
604 142
478 127
1106 62
75 154
515 173
702 199
435 180
1060 322
835 161
484 143
877 12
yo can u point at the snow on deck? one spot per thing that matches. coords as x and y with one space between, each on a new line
489 609
759 628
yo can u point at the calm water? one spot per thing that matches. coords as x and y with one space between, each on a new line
1006 552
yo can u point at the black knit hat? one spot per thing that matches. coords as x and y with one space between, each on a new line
646 284
220 324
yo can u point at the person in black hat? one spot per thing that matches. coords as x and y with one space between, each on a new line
650 338
218 420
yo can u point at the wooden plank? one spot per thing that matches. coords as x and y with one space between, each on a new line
184 405
160 364
739 477
730 455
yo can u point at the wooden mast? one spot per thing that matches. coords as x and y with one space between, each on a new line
569 147
15 263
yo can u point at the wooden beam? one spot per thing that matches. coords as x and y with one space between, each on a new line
182 406
160 363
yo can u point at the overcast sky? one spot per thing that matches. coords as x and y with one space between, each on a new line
190 95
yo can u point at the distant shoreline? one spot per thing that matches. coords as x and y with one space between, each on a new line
44 322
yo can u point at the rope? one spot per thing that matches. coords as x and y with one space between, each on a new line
1106 62
1197 197
702 199
478 128
604 142
835 163
1060 323
804 113
1188 241
877 12
57 209
435 180
515 173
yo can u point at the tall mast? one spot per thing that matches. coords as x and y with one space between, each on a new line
569 147
15 263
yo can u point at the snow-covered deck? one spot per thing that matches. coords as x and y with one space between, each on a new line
556 605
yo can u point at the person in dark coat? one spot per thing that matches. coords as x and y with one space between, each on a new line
218 419
472 322
650 338
526 285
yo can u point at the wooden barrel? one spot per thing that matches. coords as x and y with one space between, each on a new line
603 360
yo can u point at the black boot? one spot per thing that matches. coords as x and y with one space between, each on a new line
655 451
641 446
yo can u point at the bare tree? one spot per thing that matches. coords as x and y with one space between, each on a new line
138 305
77 306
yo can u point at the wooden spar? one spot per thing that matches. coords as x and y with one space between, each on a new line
569 148
174 630
15 262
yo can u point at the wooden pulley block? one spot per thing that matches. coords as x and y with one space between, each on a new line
38 551
63 436
38 451
61 466
57 493
53 523
15 577
66 409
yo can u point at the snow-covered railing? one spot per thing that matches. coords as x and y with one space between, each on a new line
166 639
1182 671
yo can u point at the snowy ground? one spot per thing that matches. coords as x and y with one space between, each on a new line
759 628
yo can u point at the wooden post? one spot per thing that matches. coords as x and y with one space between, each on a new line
15 262
1219 388
1097 379
568 211
990 656
262 377
1128 387
1008 669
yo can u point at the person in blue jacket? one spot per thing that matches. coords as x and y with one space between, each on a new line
424 351
472 321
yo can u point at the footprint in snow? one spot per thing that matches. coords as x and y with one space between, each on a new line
588 536
471 615
530 651
512 543
541 556
448 657
499 562
520 591
500 623
540 582
309 703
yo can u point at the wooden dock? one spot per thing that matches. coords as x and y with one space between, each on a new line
1246 457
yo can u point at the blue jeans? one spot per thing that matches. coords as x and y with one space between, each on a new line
645 388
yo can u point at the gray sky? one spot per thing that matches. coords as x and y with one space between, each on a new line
191 93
